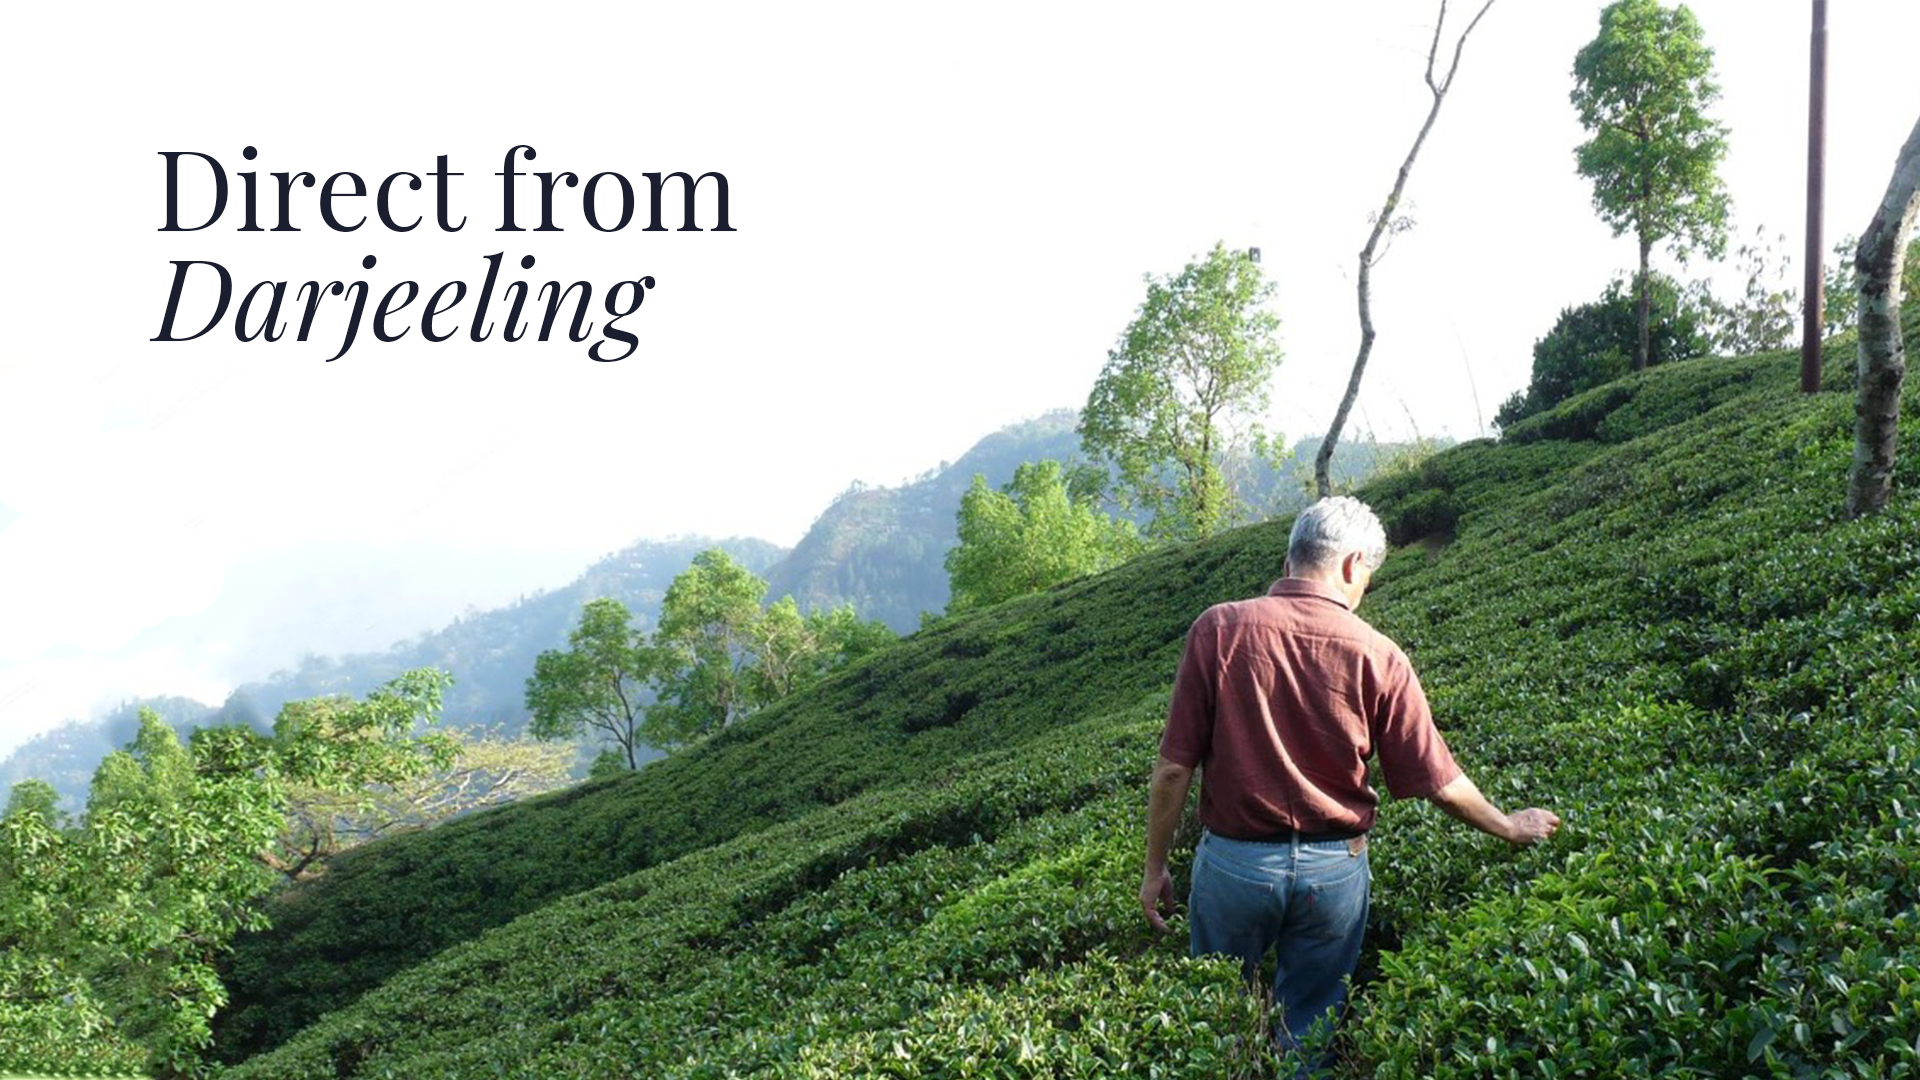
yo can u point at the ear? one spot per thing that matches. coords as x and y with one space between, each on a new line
1350 566
1286 566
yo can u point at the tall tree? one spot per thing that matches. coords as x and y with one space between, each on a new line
1641 87
1883 356
1180 392
1032 534
597 683
1386 222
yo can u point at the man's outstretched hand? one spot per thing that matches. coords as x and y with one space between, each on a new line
1156 896
1531 825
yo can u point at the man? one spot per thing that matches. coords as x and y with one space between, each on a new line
1280 700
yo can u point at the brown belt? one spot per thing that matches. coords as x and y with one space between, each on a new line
1286 836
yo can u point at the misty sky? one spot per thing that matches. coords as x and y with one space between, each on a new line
942 222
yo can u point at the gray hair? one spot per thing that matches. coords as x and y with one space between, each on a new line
1331 528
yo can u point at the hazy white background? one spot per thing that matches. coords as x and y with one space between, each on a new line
943 218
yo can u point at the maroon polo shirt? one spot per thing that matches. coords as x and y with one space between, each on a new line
1282 698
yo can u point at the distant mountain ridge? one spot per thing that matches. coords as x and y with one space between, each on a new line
881 549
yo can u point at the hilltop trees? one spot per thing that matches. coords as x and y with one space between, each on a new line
1640 87
1033 533
1590 344
112 923
715 656
1177 397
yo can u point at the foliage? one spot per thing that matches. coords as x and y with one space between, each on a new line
1641 87
1766 315
715 656
1592 344
1842 288
1175 401
112 924
707 625
595 683
1031 535
882 549
1649 616
792 651
485 770
489 653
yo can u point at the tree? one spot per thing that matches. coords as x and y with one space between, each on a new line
792 651
1843 283
112 925
486 770
1590 344
1387 222
1029 535
1641 87
597 682
714 657
707 622
1883 357
1179 390
1766 315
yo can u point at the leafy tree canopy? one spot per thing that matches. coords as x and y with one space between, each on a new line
1592 344
715 656
1032 534
1641 86
1182 390
112 924
597 682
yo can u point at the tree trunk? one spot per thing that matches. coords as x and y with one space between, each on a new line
1883 359
1643 312
1323 461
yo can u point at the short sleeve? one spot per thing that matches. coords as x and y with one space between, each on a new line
1189 732
1414 759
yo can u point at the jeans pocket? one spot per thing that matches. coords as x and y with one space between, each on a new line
1211 868
1339 881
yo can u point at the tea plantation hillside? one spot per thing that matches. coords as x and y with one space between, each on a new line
1641 609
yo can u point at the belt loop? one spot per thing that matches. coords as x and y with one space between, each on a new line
1294 840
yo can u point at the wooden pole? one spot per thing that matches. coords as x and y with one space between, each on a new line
1813 328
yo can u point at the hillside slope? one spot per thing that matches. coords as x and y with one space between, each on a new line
1642 609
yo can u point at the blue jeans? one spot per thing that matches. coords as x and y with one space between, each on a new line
1308 899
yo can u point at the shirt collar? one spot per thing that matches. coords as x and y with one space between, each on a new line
1298 586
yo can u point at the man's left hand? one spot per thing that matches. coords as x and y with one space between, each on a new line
1156 894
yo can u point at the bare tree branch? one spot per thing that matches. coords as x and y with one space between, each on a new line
1323 461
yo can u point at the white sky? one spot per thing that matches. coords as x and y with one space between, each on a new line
943 218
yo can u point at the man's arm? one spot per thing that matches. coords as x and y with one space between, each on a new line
1461 799
1166 801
